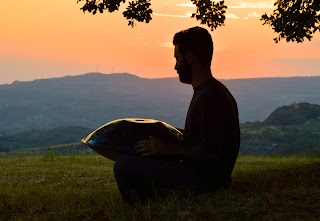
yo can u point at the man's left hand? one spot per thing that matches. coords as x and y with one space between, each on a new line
151 147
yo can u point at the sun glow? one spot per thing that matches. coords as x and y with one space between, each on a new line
44 39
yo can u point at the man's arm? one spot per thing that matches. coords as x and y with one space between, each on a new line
155 147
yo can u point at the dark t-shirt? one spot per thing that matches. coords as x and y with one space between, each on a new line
212 122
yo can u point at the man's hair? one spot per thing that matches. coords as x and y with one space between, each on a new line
196 40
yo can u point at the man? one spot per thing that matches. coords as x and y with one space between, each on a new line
211 136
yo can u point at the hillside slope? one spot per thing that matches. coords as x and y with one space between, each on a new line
90 100
297 113
289 130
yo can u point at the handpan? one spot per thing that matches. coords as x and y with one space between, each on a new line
120 136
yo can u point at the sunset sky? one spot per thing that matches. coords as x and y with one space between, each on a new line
53 38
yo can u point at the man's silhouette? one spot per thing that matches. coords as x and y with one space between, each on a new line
211 137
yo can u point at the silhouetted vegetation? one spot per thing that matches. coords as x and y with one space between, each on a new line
289 130
293 20
297 113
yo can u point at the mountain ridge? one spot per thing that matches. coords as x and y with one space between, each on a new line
92 99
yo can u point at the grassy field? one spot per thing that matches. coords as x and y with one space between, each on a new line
82 187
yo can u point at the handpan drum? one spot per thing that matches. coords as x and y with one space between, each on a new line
120 136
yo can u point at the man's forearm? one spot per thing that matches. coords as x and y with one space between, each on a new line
154 147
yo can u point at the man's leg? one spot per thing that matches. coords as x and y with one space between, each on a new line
139 178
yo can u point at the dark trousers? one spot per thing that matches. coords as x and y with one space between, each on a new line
139 178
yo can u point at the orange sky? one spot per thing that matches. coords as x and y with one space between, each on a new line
44 39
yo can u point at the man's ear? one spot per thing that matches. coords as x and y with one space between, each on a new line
189 57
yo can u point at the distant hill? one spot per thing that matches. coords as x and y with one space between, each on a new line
61 140
259 138
297 113
43 138
289 130
90 100
93 99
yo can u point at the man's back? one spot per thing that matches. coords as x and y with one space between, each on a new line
212 122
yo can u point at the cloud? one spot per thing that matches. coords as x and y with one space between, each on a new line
186 15
239 5
186 5
167 44
242 5
252 15
232 4
189 4
233 16
307 63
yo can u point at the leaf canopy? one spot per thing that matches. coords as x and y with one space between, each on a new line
292 20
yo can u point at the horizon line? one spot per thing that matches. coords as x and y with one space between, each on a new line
122 73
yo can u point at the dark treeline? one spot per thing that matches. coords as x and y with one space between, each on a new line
294 133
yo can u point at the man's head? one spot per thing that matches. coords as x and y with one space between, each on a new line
193 45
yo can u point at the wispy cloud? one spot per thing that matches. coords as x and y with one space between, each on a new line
189 4
167 44
307 62
231 5
252 15
233 16
186 15
239 5
264 4
186 5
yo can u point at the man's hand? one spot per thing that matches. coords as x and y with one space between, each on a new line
151 147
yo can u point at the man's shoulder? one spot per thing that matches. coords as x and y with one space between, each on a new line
215 92
213 88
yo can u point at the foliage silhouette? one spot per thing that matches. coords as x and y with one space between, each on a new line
293 20
210 13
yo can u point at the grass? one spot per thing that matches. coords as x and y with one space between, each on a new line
62 149
82 187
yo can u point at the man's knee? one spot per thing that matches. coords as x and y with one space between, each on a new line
123 167
130 179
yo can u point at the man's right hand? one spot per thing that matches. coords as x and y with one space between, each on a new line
151 147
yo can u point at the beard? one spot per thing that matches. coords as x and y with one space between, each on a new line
185 73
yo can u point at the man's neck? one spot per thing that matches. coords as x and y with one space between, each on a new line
201 76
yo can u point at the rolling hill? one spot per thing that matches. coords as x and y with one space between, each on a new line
90 100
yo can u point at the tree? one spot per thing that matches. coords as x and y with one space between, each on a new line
293 20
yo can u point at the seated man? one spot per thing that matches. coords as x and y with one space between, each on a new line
211 137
